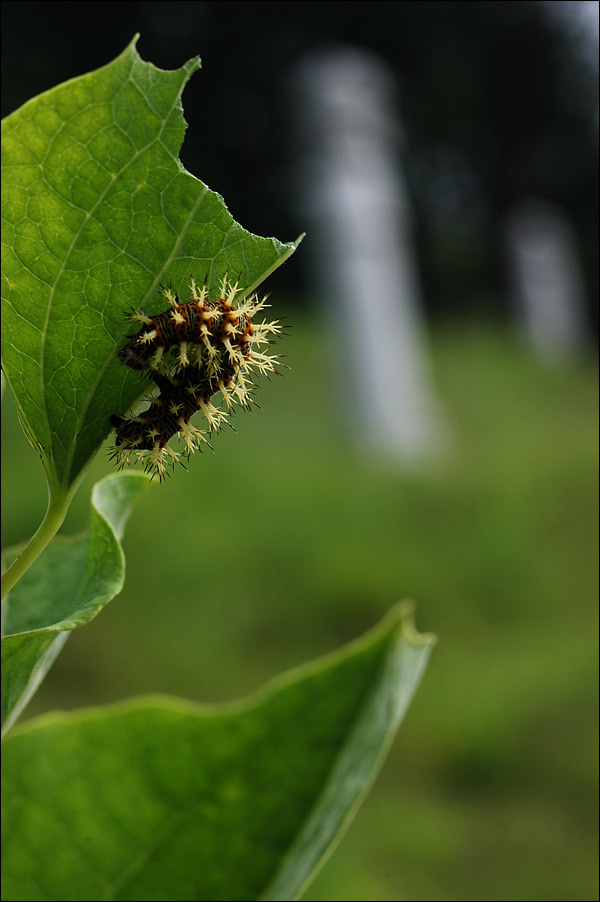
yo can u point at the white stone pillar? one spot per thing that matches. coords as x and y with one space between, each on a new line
352 193
546 280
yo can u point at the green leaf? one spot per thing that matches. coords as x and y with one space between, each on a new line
71 581
97 211
162 799
26 660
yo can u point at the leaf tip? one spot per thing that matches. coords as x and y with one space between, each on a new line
404 613
190 67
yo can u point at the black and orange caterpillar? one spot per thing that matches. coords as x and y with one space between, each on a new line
191 351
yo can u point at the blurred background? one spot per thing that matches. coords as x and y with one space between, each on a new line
435 436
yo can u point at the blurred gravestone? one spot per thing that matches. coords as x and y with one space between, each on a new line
547 283
352 193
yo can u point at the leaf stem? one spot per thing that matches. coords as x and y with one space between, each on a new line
58 505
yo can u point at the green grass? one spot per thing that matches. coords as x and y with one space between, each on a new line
286 543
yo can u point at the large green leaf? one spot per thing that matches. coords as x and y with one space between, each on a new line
97 211
162 799
71 581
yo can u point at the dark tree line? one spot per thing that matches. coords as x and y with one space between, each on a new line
495 103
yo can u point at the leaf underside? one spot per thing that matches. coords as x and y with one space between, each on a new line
98 211
162 799
67 586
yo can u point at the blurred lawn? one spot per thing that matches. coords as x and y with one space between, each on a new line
284 544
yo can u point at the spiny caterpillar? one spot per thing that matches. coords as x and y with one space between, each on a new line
191 352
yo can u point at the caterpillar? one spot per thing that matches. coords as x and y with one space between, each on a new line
191 352
168 414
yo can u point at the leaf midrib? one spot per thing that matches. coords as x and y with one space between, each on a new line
87 218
